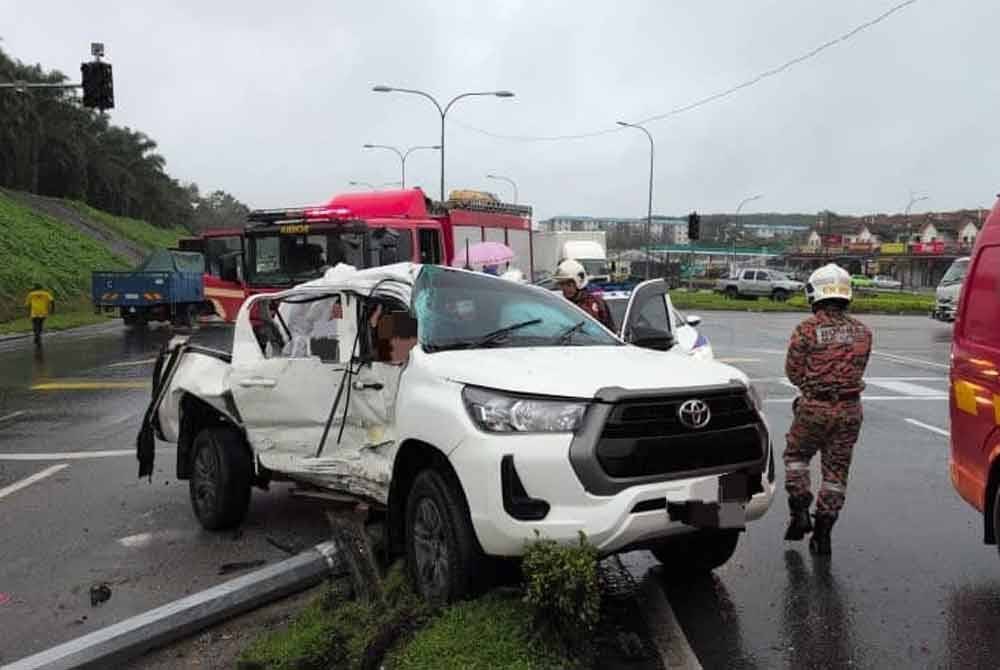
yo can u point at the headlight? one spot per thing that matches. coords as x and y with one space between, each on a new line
496 412
757 397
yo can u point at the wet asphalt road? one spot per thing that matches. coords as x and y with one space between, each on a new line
910 583
93 521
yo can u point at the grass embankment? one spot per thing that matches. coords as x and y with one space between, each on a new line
144 234
883 303
35 248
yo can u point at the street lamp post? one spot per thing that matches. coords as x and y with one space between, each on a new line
736 217
402 156
649 210
443 111
506 179
913 200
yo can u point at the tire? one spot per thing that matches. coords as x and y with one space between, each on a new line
443 556
221 476
135 320
732 292
697 553
779 295
996 516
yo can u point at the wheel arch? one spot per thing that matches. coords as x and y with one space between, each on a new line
196 415
412 457
992 483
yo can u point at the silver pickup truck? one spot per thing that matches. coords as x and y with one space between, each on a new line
756 282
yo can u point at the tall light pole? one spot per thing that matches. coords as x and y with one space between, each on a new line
914 199
649 210
736 218
443 111
402 156
506 179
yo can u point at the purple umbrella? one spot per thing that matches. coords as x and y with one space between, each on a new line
483 253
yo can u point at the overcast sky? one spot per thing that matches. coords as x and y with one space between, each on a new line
272 101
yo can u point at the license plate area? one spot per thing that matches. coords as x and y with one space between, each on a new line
728 512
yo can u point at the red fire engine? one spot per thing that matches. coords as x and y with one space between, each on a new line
283 247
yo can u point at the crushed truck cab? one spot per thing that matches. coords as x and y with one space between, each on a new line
474 413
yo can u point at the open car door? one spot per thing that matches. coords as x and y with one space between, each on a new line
648 320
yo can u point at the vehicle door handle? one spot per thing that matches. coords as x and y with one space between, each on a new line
258 382
360 386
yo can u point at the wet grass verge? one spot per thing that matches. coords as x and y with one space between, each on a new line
500 629
58 321
885 303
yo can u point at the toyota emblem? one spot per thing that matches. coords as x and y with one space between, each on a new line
694 413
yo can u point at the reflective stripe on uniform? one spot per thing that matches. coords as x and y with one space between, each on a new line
834 487
796 465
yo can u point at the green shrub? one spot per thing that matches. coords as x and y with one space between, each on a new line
561 585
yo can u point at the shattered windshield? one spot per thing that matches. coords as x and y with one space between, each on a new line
464 310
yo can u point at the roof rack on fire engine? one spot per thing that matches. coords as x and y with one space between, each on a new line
492 206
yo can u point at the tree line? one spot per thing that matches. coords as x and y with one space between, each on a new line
51 145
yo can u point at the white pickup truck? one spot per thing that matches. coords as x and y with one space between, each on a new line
755 283
469 412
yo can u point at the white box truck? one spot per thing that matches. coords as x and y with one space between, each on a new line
589 248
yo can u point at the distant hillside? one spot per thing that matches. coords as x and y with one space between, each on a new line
57 243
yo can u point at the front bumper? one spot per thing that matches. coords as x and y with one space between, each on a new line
549 497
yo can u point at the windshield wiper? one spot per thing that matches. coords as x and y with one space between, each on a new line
567 335
489 338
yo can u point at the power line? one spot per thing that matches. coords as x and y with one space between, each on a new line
711 98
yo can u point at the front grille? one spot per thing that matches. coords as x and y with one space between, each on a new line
645 437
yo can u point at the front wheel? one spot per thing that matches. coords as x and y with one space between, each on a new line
696 553
221 476
442 553
779 295
996 516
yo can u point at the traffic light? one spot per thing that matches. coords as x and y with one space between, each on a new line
694 226
98 89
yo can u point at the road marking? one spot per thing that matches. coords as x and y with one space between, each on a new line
28 481
124 364
13 415
89 386
925 426
72 455
873 397
738 360
907 359
905 388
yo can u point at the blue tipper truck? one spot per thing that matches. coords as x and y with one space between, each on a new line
167 286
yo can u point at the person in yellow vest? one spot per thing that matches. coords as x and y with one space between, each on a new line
41 304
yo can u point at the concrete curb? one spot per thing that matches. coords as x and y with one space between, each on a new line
114 646
669 638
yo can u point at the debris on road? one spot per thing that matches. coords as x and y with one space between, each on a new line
99 594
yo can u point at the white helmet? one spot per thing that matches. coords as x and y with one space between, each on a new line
830 282
571 270
514 275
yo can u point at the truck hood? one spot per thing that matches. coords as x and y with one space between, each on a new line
578 372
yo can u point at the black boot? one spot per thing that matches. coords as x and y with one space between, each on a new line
820 542
799 524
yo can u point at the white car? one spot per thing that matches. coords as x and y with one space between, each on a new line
656 313
886 283
470 413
